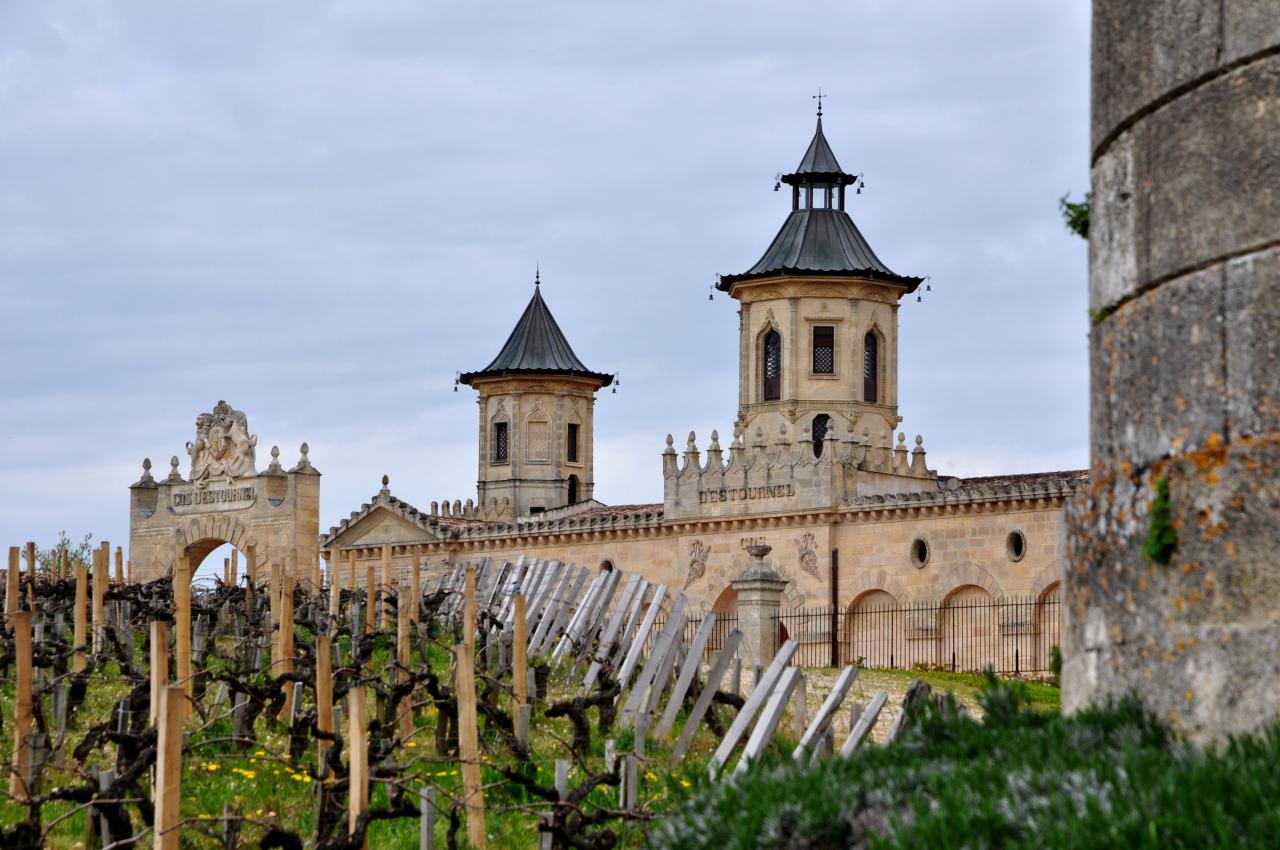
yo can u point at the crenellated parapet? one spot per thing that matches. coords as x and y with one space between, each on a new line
783 472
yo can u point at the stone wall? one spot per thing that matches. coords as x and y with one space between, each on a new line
1184 284
967 547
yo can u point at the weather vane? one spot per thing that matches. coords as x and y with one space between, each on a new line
818 97
537 273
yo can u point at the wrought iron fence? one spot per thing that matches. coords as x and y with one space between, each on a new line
1011 635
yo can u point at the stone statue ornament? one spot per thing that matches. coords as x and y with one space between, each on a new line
223 448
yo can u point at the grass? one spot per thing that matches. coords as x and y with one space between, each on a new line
1110 777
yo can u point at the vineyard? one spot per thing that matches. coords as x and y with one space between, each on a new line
498 704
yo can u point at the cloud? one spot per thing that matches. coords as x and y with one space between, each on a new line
321 211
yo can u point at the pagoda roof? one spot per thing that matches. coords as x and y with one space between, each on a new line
819 242
536 346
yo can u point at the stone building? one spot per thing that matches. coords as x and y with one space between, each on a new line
812 465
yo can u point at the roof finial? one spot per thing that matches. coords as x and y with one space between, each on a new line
818 97
537 274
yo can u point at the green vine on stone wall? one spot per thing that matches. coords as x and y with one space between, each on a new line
1162 537
1076 216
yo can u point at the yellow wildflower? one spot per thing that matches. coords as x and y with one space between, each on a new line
411 744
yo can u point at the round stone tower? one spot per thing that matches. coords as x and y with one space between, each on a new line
1173 585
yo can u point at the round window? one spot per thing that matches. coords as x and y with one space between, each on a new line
920 552
1016 545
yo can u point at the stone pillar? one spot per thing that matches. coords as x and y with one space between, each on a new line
1173 587
759 601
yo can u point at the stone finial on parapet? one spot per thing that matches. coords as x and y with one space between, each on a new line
386 486
691 464
715 457
274 468
304 462
146 480
174 475
669 465
759 591
918 466
900 455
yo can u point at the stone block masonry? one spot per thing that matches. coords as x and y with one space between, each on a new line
1185 367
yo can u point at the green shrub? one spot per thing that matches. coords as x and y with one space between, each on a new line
1107 777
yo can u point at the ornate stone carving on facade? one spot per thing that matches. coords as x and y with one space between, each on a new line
223 447
698 552
807 549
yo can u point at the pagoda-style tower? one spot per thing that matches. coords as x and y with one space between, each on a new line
537 405
818 341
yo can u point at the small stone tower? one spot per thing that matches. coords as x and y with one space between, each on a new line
818 346
537 405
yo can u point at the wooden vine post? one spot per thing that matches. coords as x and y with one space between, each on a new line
358 739
101 564
119 565
415 585
159 665
324 689
168 790
251 579
80 620
520 653
235 568
351 573
335 586
371 598
468 733
273 600
11 585
286 638
182 618
24 706
384 588
404 711
31 575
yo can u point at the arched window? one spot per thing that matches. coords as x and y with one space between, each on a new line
821 424
501 443
871 368
771 367
573 489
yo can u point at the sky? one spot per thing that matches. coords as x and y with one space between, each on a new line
322 211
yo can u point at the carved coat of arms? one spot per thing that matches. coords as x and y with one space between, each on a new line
223 448
698 552
807 547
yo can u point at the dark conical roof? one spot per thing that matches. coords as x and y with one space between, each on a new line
819 240
819 158
536 346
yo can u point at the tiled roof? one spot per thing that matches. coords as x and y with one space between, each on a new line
1075 476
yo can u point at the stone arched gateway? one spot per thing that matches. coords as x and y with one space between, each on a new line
274 513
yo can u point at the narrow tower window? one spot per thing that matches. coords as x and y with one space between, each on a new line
772 366
871 369
501 443
824 350
821 424
571 449
573 489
